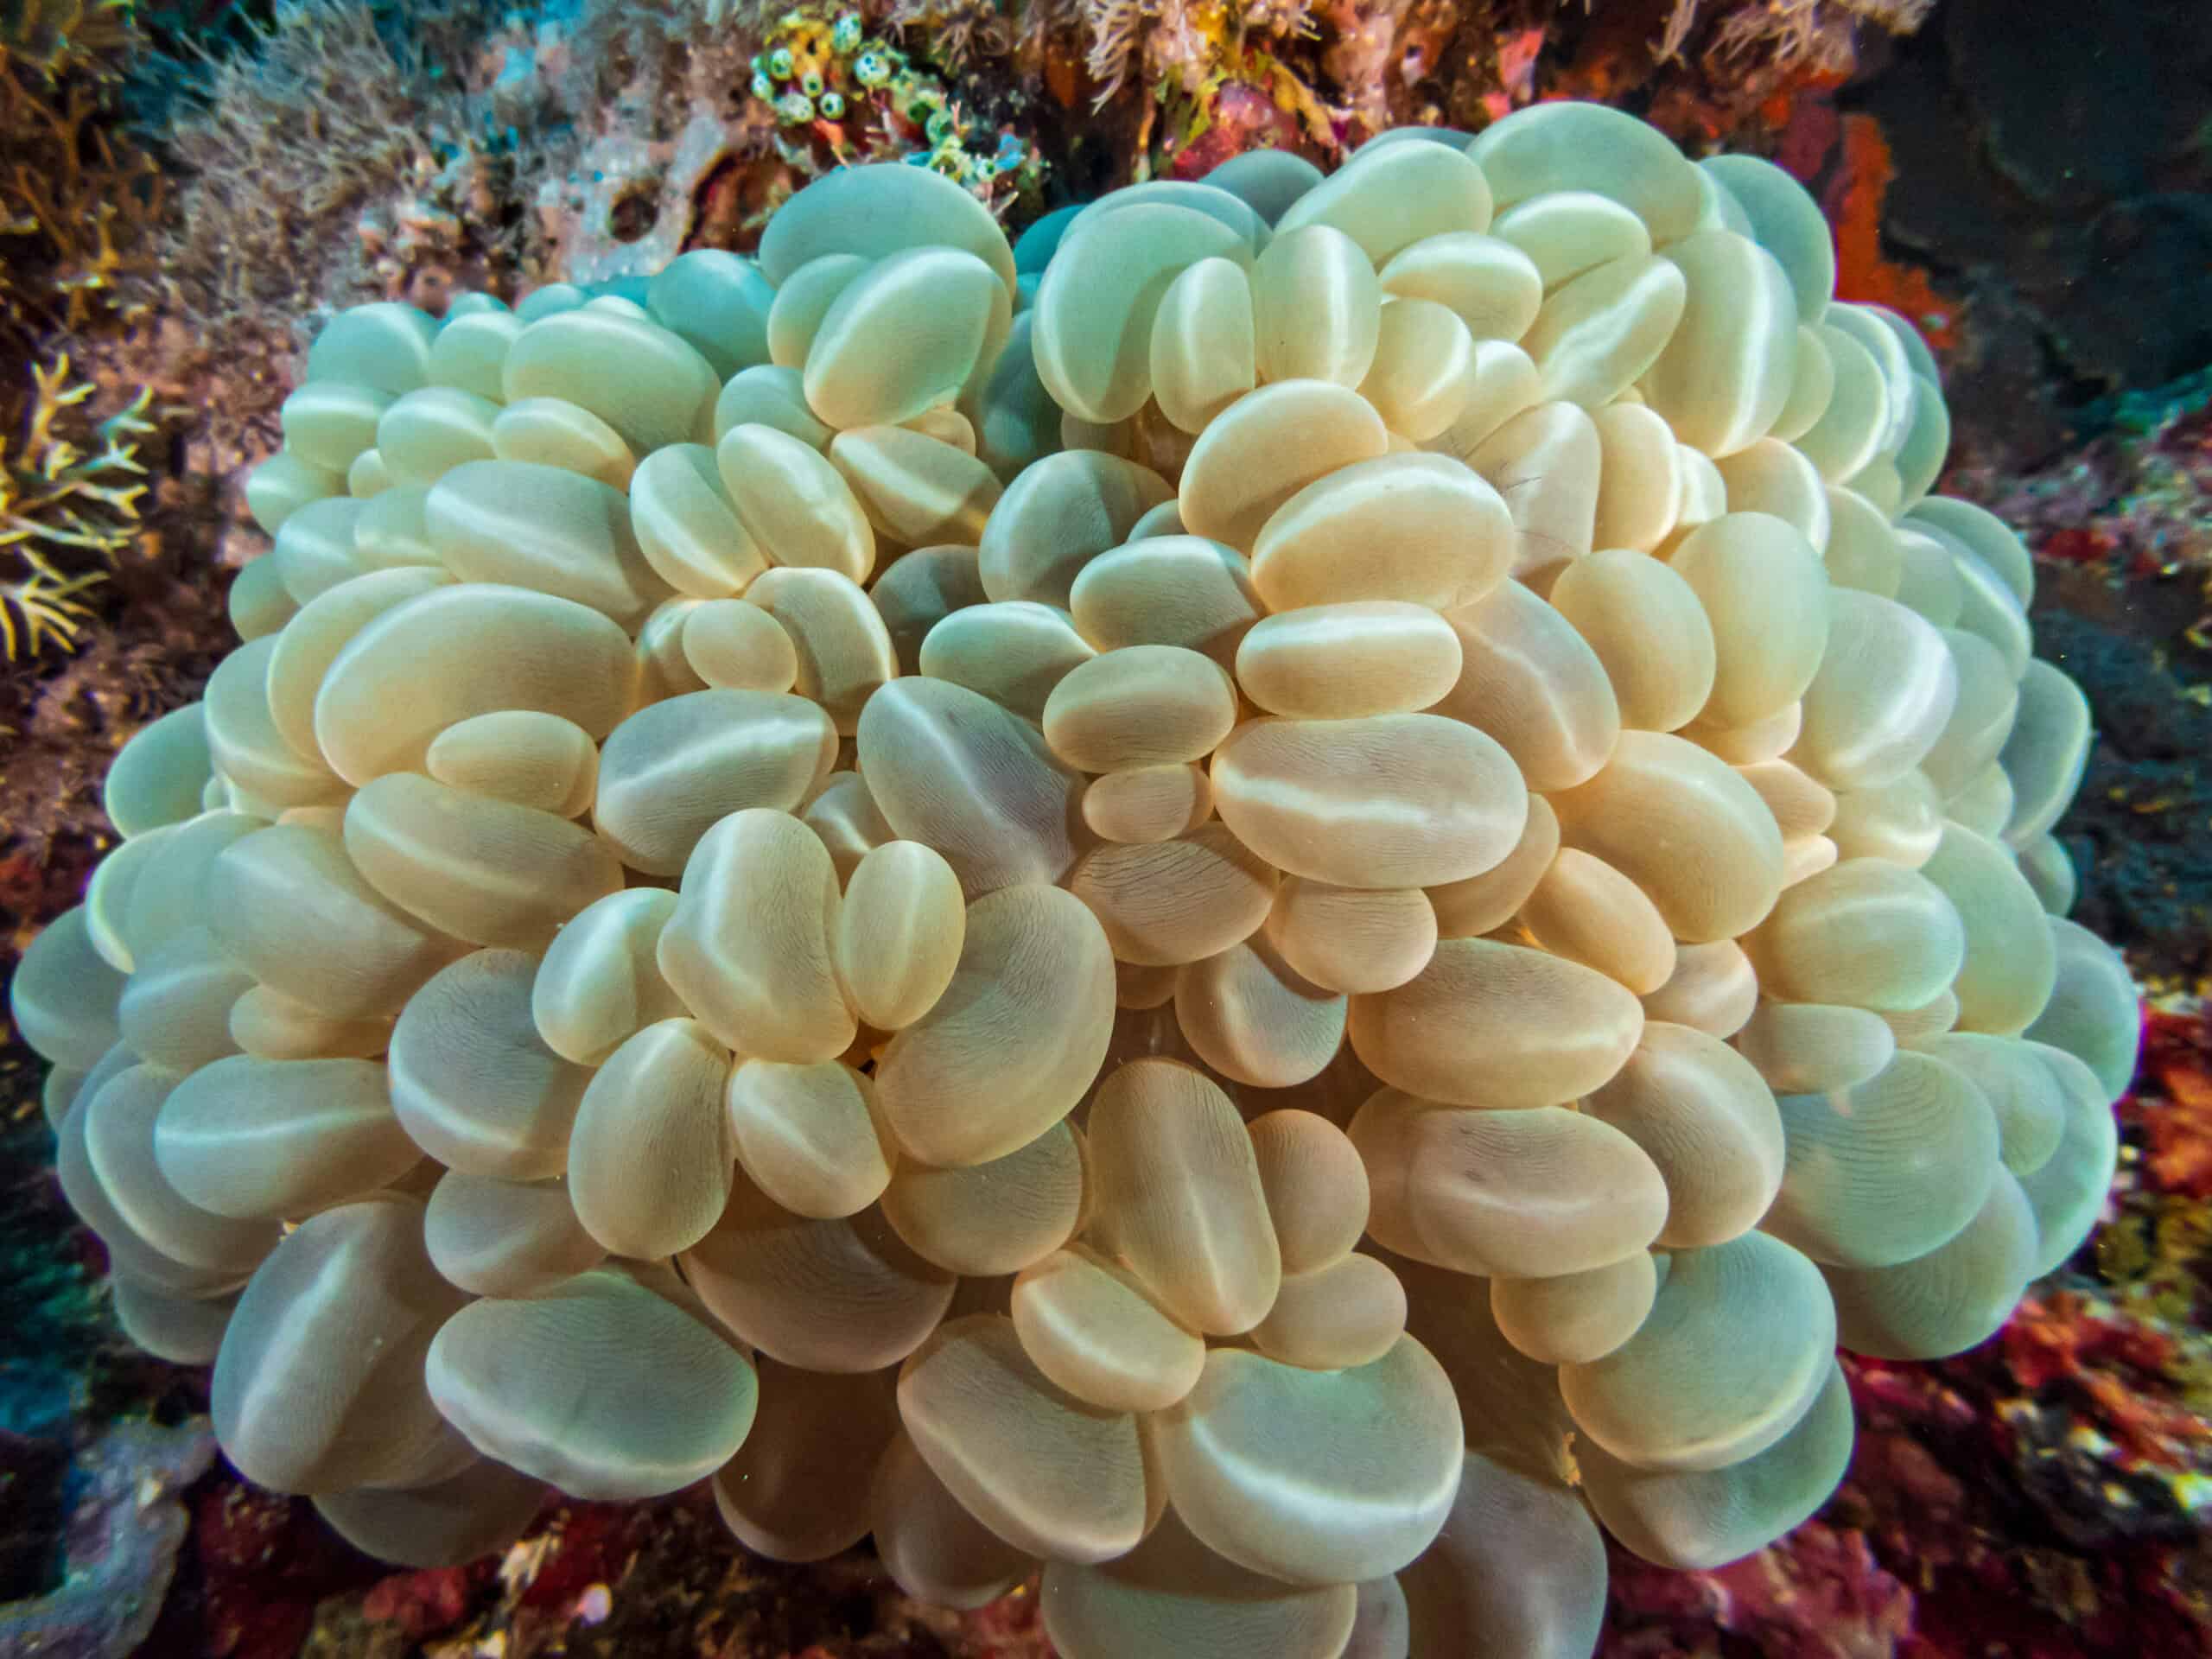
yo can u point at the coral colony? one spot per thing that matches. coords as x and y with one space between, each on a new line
1277 899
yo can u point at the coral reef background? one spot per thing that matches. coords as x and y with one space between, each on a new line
188 189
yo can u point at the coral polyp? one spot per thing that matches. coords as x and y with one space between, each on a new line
1280 902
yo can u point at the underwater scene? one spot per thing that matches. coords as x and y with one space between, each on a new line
1118 829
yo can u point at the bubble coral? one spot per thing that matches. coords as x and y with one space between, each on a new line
1170 901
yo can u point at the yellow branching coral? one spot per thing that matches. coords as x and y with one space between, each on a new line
69 499
76 201
1161 902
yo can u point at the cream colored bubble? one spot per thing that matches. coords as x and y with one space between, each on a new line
599 981
327 423
1887 1170
1805 1048
270 1025
1388 198
1492 287
1483 903
1315 1187
1388 801
313 551
904 336
1598 334
1141 706
844 650
1179 1196
1172 1589
2093 1014
1014 652
1575 1318
675 768
1661 1403
426 433
1256 1020
1095 309
246 744
1585 910
495 1238
1545 464
496 648
646 383
949 768
1702 1114
120 1120
532 1382
1812 383
267 1139
841 1295
915 489
1015 1039
994 1217
920 589
1353 939
1649 630
807 1136
898 934
1368 1499
480 870
1058 516
1422 375
284 483
1865 934
1565 232
1572 146
319 1385
1415 529
472 1082
1773 478
1686 829
748 947
1048 1476
1765 593
1147 804
551 432
802 300
768 395
1205 350
1348 1313
1170 589
650 1154
686 526
1247 464
795 505
2047 752
519 755
175 1008
385 347
1166 902
287 903
156 778
1518 1193
2010 965
1884 694
1091 1327
1316 306
1700 1520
